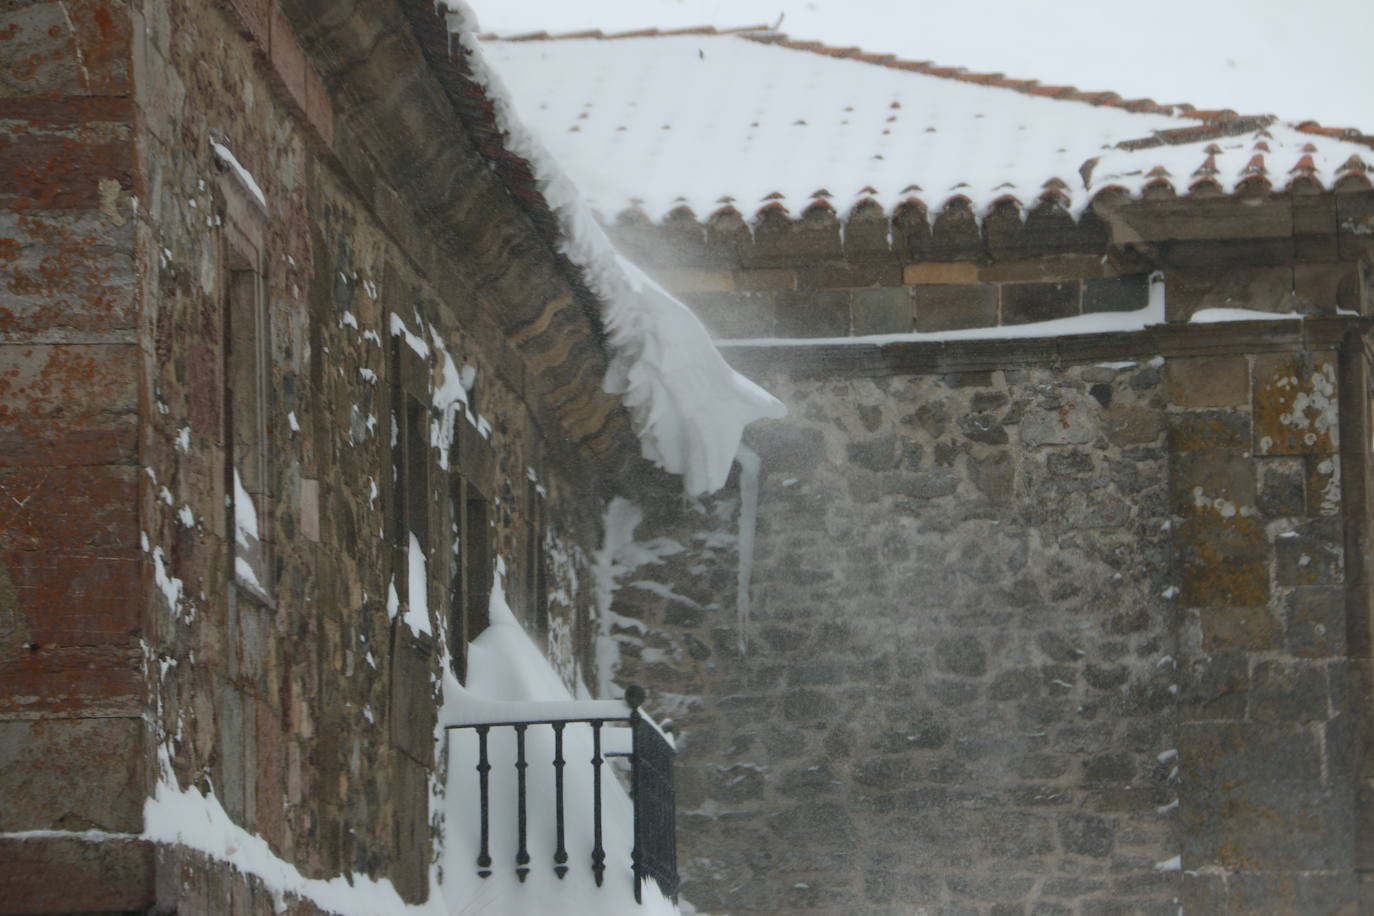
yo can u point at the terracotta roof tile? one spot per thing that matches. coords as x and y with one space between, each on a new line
1137 144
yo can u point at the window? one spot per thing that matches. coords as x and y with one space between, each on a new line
410 499
473 461
245 398
536 584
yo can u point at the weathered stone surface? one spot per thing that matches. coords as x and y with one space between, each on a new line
1116 294
1023 303
1212 381
882 311
75 876
1295 405
57 775
812 313
949 307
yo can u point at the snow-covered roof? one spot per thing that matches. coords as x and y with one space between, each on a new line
748 119
687 406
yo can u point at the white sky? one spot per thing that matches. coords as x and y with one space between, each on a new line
1299 60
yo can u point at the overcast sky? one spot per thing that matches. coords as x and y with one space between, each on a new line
1300 60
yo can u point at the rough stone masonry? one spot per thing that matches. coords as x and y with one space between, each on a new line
1055 626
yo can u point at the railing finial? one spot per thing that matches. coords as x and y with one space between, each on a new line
635 696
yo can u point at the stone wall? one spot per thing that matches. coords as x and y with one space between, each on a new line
70 665
236 158
1064 625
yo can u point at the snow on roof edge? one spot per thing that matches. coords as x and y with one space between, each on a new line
688 407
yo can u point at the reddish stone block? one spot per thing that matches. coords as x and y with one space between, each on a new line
75 876
66 274
66 380
66 682
75 599
270 790
97 440
68 508
72 774
319 110
69 111
103 33
60 169
287 59
40 52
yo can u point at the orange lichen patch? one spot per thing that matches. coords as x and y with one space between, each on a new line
68 405
1295 405
59 273
1222 562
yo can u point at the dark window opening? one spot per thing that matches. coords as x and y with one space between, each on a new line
536 575
247 470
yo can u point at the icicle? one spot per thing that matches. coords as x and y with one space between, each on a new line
748 517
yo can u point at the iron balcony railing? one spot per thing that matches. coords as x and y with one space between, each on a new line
650 755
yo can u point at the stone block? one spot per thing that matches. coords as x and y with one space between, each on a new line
734 314
1281 486
679 280
813 313
70 508
1247 754
765 278
1283 826
1227 629
52 875
1026 303
1126 426
950 307
1208 381
1047 269
1288 692
1260 289
1322 485
1315 622
1215 686
1073 422
72 774
71 277
1222 562
1295 405
1084 834
1322 289
319 110
846 275
1116 294
961 655
1219 483
75 598
1209 429
1311 555
940 272
882 311
878 454
72 681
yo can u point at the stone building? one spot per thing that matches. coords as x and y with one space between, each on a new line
1050 594
295 373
